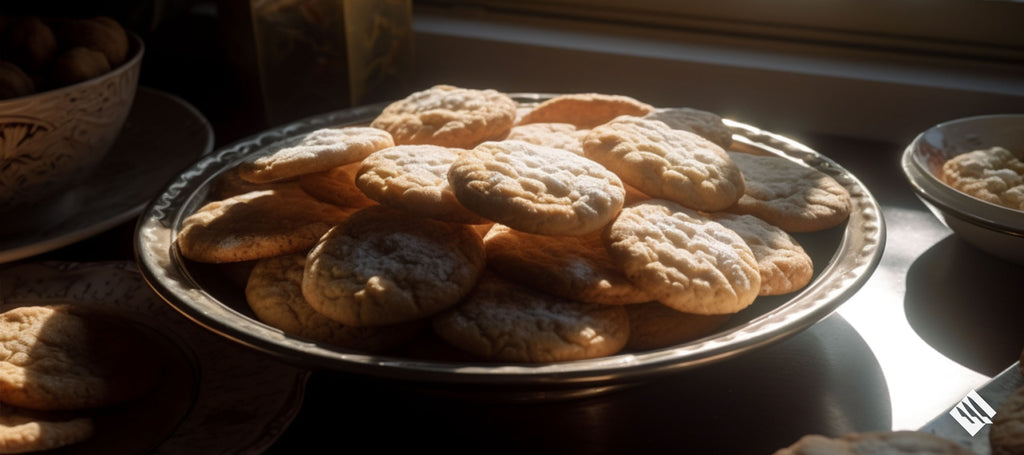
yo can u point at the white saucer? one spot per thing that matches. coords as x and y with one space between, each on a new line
163 135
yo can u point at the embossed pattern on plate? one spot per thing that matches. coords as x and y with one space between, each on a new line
850 253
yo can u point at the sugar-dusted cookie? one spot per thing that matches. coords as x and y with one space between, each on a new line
666 163
503 321
536 189
653 325
448 116
1006 436
379 268
256 225
25 431
336 186
54 359
708 125
785 266
563 136
876 443
573 267
790 195
317 151
683 259
414 179
585 110
994 175
274 293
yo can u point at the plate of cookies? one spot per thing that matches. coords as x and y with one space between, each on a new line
541 244
91 361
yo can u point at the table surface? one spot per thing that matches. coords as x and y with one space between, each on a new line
935 320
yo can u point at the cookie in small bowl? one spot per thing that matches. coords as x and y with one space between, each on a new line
970 173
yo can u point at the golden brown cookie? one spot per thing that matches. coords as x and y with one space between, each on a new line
448 116
585 110
54 359
785 266
706 124
563 136
876 443
790 195
1006 436
256 225
573 267
414 179
665 163
503 321
653 325
379 268
274 293
336 186
26 431
317 151
229 183
994 175
536 189
683 259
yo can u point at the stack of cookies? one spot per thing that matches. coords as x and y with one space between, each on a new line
60 368
568 229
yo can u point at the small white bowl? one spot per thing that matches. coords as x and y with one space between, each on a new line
50 141
990 227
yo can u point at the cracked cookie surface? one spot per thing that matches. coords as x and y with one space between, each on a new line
448 116
317 151
683 259
378 268
536 189
274 293
504 321
994 175
666 163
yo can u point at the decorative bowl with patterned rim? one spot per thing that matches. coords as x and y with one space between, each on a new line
52 140
845 256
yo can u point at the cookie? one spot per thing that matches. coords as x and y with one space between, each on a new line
414 179
336 186
317 151
994 175
790 195
274 293
665 163
784 265
653 326
536 189
24 432
378 268
1006 436
585 110
573 267
256 225
54 359
229 183
563 136
706 124
683 259
448 116
503 321
874 443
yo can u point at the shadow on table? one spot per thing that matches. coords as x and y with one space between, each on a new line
967 304
824 380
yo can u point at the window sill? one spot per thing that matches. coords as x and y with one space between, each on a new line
789 88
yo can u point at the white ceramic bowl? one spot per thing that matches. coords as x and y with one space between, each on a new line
51 140
990 227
